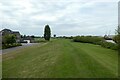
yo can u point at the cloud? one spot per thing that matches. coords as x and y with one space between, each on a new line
73 17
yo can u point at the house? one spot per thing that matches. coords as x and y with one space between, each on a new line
18 36
8 31
19 39
5 32
27 39
109 37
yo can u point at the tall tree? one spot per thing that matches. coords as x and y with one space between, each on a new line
118 30
117 36
47 32
54 35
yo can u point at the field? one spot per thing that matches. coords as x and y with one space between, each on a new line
61 58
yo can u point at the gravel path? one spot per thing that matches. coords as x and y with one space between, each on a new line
17 48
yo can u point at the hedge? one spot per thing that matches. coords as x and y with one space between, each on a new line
109 45
4 46
96 40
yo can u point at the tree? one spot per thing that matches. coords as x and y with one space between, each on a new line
118 30
47 33
117 37
32 36
9 39
24 36
54 35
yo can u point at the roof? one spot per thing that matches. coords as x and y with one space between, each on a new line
7 30
15 32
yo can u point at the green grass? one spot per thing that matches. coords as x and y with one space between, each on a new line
61 59
39 40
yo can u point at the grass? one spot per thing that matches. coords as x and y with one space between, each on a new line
61 59
39 40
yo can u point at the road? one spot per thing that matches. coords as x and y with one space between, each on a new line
17 48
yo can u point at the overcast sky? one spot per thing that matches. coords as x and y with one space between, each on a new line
65 17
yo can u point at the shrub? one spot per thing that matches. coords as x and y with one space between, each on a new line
109 45
4 46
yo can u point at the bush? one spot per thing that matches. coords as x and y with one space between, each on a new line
109 45
5 46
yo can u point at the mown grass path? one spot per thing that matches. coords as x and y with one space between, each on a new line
61 59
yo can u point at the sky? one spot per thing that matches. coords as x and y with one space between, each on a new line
65 17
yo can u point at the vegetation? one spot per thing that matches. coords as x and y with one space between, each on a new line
54 35
96 40
118 31
47 33
88 39
117 40
9 41
65 37
61 59
109 45
4 46
117 37
39 40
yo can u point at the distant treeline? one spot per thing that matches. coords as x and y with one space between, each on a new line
65 37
